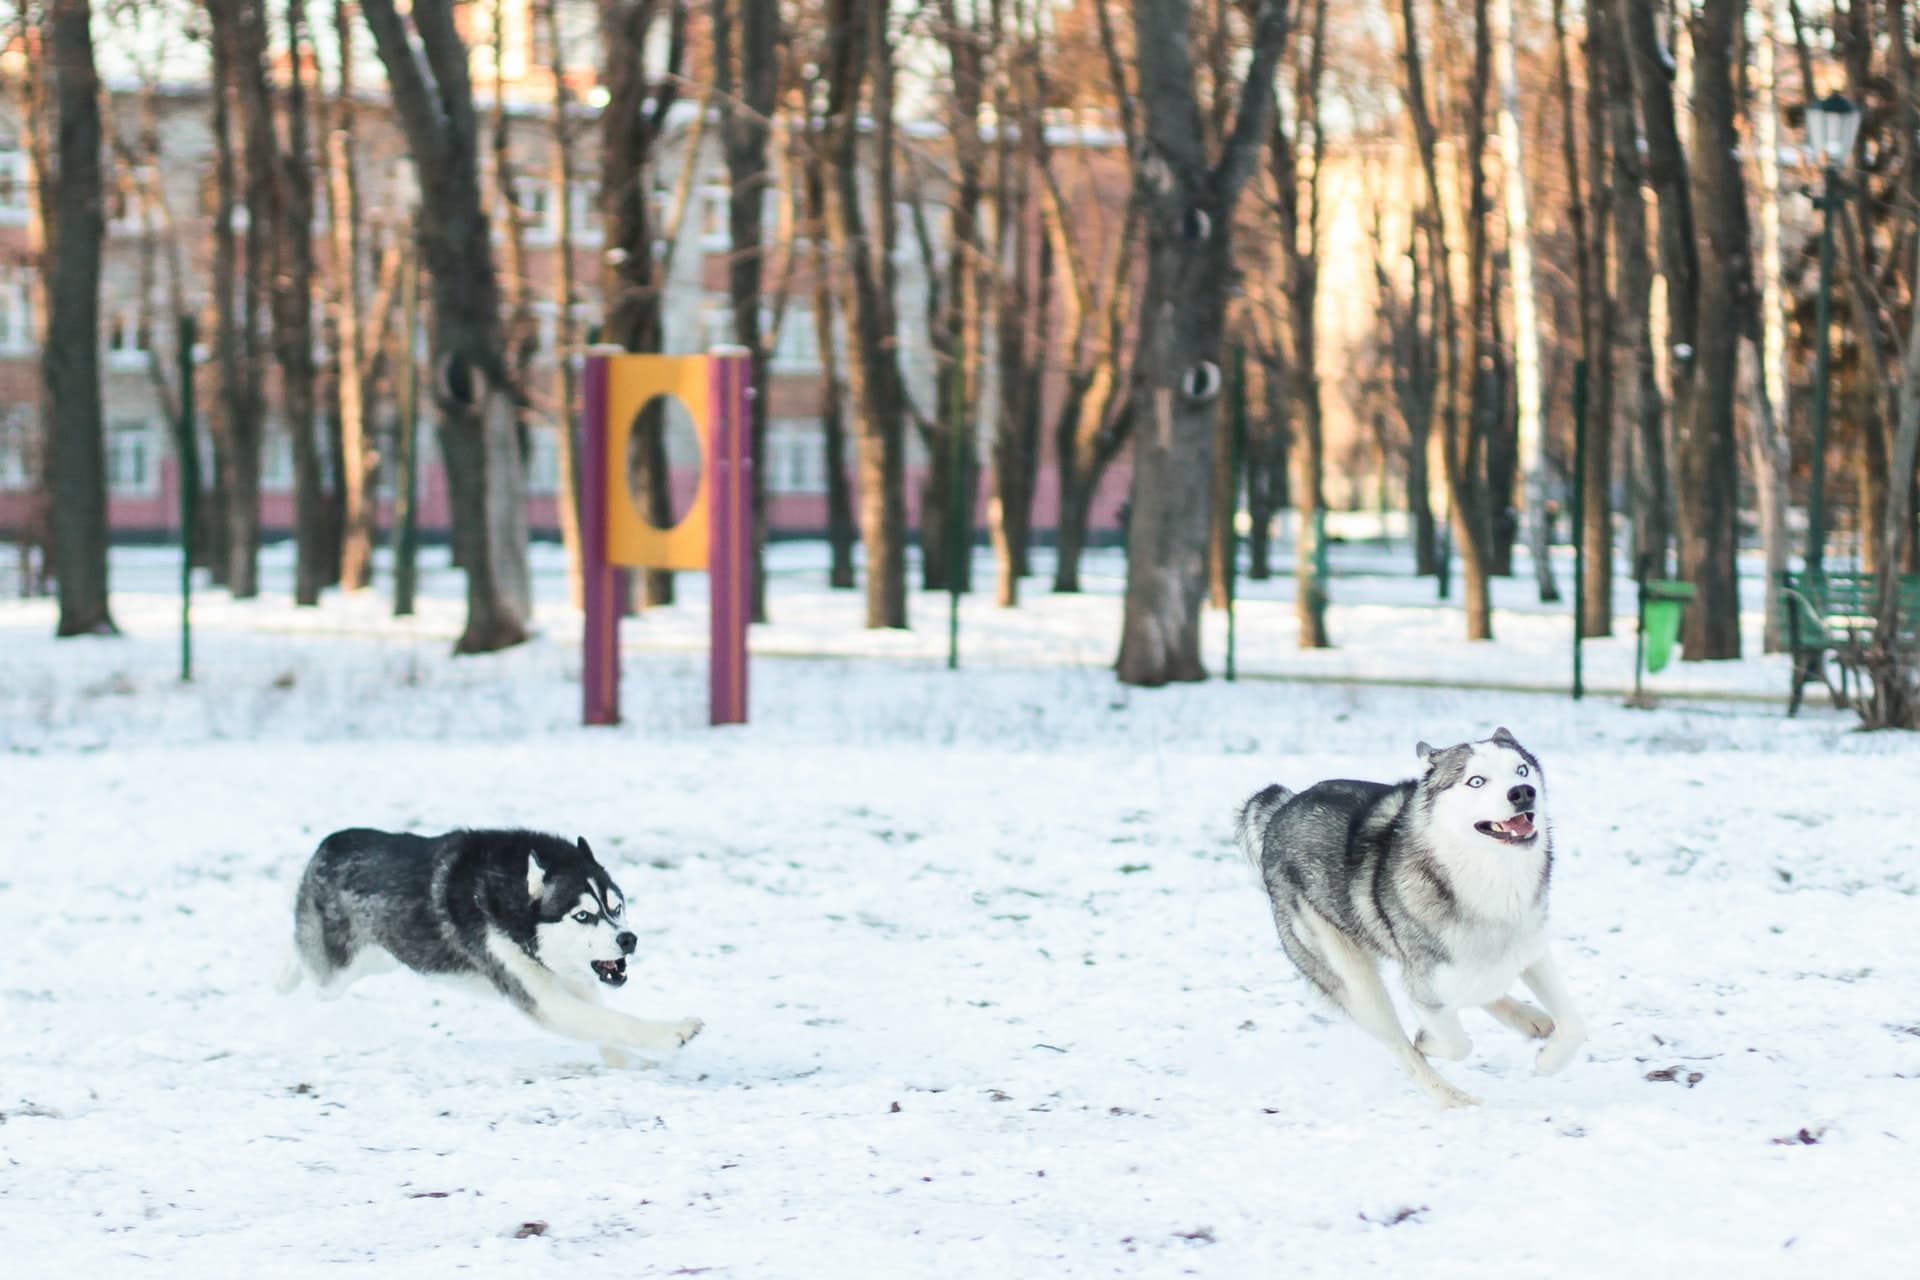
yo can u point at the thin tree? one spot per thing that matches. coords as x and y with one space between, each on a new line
426 62
352 358
70 357
565 296
1188 199
746 102
859 51
1589 218
1526 324
1297 158
291 284
632 123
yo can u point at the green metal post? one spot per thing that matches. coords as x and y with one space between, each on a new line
405 519
1579 506
189 455
1822 366
1236 459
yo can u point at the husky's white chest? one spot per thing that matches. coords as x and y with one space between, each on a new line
1485 964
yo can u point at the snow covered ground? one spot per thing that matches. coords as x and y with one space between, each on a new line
987 990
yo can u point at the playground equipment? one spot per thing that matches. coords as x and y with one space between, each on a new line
715 534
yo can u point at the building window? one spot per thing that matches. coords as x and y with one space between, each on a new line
17 440
276 458
584 198
539 214
797 349
714 232
16 310
796 458
543 464
131 457
127 344
16 186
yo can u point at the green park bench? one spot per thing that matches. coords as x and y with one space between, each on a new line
1834 613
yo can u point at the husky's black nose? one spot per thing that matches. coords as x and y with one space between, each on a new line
627 942
1521 796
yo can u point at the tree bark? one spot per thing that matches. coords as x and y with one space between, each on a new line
745 123
1707 452
1296 160
291 288
631 123
1188 204
433 97
566 344
859 49
70 359
1767 440
1590 219
1526 324
357 512
1643 403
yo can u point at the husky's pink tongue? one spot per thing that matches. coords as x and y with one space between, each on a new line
1519 826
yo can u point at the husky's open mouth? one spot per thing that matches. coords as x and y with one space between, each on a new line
1515 830
611 972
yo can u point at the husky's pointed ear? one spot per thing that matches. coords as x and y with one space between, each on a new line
1502 738
536 876
1425 752
581 842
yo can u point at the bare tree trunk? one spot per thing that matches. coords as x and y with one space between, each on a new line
1708 457
292 293
70 357
1767 442
1296 161
1645 405
1189 203
1526 324
1268 490
36 110
841 529
433 97
631 122
566 330
1590 217
1463 435
858 48
745 125
357 461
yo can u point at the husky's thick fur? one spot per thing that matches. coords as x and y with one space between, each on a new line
1446 875
534 917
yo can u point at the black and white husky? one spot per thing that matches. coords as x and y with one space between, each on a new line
534 917
1446 875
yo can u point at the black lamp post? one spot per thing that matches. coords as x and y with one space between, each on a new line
1832 124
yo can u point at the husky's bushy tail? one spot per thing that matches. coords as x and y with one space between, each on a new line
1250 827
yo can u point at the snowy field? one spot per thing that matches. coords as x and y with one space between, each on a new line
987 990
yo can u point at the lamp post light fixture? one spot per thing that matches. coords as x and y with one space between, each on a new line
1832 124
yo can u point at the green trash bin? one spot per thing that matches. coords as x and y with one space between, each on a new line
1662 601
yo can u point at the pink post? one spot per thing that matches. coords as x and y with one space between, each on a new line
730 548
600 669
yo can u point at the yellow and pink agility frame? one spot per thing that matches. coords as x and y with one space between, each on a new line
716 534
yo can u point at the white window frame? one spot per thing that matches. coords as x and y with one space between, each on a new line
134 438
126 350
16 187
17 438
796 457
17 336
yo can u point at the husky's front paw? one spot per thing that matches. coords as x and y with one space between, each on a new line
685 1030
1560 1047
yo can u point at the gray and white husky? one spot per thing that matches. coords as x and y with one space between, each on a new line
533 917
1446 875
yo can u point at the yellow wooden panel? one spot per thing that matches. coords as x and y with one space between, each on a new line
632 380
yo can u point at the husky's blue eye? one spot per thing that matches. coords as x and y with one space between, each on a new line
1523 771
613 909
1476 781
584 917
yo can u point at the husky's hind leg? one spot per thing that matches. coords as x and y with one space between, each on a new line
326 946
1351 978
